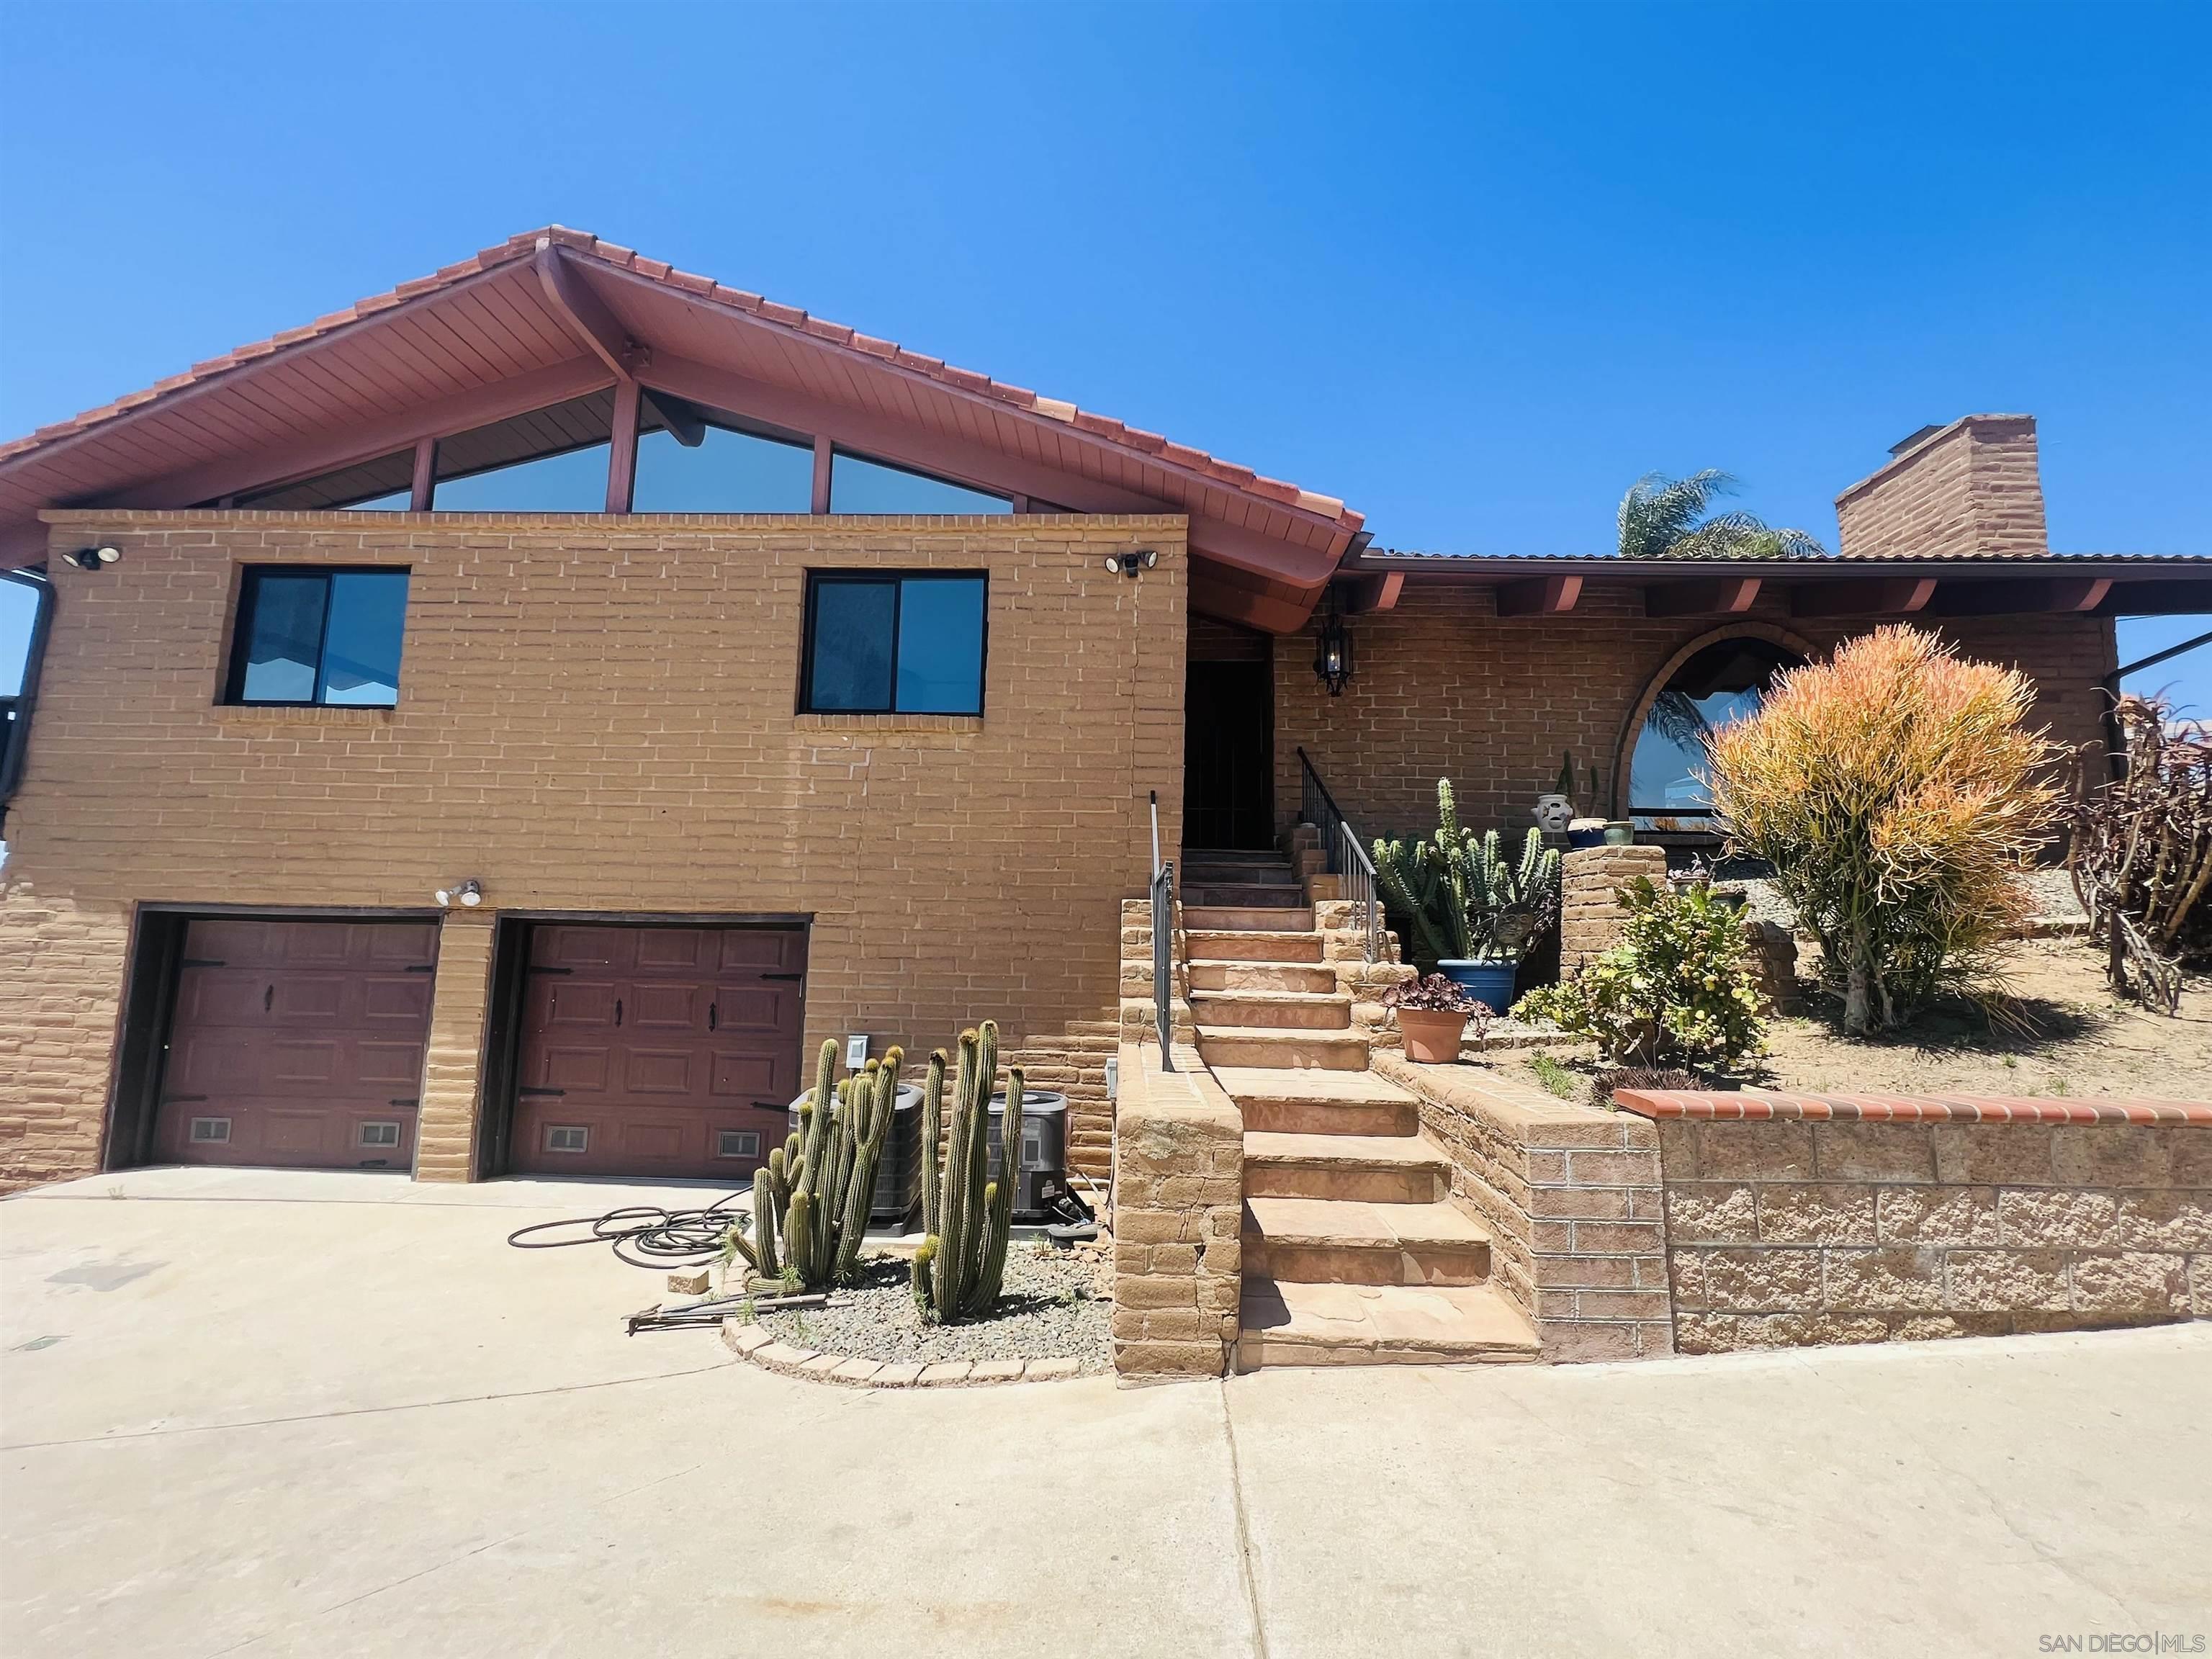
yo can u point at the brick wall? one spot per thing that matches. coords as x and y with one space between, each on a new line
596 715
1973 488
1572 1198
1446 688
1795 1230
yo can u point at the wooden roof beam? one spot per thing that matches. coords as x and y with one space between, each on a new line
588 317
1886 596
1538 596
1369 593
1716 596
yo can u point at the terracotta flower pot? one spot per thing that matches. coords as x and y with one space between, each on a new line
1432 1035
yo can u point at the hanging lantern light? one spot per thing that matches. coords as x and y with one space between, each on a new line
1332 650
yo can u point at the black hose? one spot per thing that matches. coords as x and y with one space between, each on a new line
645 1235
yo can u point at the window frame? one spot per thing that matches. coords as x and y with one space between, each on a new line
897 581
242 632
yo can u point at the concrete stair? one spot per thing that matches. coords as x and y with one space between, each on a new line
1355 1252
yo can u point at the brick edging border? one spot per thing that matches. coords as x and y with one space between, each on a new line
1762 1106
758 1346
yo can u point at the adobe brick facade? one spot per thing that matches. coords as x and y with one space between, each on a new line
1446 688
596 715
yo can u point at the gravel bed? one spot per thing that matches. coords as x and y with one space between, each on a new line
1055 1305
2053 889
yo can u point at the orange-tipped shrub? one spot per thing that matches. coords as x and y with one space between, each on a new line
1900 795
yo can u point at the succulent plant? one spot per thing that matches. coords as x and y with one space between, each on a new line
1466 902
811 1200
966 1217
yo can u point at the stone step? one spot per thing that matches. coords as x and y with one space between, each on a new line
1235 945
1257 895
1279 872
1276 1011
1285 1322
1314 978
1319 1103
1245 1045
1246 919
1362 1169
1329 1241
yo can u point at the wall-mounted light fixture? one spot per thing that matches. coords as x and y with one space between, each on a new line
1130 563
1333 649
468 894
93 558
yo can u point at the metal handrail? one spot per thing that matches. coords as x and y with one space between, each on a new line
1163 945
1340 845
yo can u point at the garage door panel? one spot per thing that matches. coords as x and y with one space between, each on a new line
667 1008
679 1035
748 1076
287 1037
657 1071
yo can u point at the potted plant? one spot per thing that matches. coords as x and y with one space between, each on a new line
1620 832
1586 832
1475 915
1432 1016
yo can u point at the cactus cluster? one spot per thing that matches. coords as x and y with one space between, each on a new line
965 1215
811 1200
1467 903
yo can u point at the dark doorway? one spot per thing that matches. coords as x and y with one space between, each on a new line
1228 756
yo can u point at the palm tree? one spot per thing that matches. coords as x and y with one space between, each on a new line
1663 517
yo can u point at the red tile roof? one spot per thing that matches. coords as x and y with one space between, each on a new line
585 245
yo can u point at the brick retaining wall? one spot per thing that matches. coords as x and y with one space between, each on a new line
1591 921
1796 1219
1178 1210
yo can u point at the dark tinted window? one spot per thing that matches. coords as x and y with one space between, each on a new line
908 645
319 636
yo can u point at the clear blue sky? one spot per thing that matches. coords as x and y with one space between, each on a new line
1472 269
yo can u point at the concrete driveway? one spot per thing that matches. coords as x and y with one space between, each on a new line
334 1414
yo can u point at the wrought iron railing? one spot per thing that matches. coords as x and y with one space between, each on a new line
1163 945
1341 844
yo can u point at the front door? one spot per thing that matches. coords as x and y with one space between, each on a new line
658 1051
1228 788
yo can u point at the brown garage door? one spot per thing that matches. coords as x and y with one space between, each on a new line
657 1051
298 1043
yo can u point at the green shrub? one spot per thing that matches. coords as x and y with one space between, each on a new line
1679 990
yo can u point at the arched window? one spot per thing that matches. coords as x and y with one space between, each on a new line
1716 686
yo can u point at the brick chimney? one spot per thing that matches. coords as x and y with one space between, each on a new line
1949 492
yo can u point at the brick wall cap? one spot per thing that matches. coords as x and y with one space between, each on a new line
1756 1106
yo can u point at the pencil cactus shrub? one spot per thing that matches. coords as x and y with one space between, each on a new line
811 1200
966 1217
1680 989
1466 899
1900 796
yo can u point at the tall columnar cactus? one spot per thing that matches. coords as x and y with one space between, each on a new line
967 1218
811 1202
1466 902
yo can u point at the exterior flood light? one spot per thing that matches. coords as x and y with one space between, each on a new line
92 558
1128 564
469 893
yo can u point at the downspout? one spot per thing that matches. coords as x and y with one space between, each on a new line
17 740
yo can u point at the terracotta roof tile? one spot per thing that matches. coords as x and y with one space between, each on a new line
525 246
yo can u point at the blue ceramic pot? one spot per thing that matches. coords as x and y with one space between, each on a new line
1580 839
1488 982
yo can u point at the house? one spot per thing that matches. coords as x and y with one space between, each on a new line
505 725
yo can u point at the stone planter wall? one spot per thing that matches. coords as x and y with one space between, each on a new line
1572 1198
1178 1210
1801 1219
1590 922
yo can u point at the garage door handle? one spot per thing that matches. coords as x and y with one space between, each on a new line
178 1100
618 1011
790 977
203 962
527 1090
406 1100
267 996
714 1013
